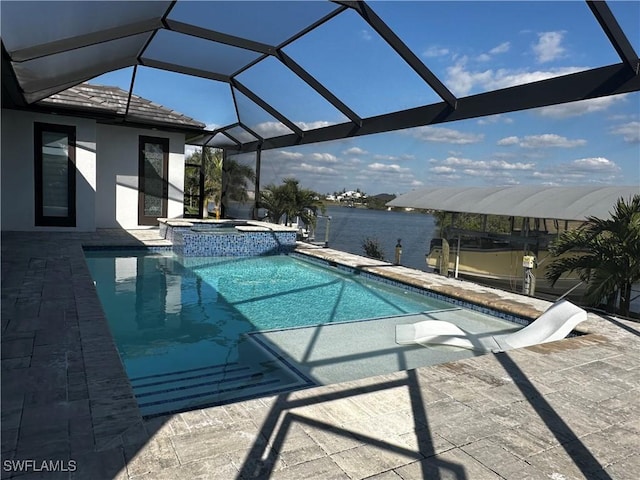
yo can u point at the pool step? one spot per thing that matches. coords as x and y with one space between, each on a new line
183 390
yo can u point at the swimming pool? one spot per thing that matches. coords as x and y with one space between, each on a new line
185 327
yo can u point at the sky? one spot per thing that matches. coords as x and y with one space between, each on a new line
478 48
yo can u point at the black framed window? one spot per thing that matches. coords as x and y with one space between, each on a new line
55 175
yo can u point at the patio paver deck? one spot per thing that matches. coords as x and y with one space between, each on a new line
562 410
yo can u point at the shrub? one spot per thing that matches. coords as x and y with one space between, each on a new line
372 248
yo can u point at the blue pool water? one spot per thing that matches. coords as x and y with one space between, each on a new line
178 323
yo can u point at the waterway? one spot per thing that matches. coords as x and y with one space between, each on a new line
349 227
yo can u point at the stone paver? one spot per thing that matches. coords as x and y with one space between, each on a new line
562 410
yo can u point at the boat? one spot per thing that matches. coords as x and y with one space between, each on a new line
500 262
518 258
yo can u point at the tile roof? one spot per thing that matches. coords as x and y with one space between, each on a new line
113 100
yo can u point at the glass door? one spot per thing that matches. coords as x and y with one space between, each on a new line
193 187
152 180
55 175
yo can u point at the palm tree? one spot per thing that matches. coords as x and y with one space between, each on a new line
215 168
236 176
604 253
290 201
212 163
272 200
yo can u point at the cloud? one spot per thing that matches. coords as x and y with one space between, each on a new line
442 170
550 140
290 155
546 140
355 151
388 158
504 78
315 169
510 181
313 125
509 141
480 168
271 129
394 158
463 81
579 171
630 131
500 171
323 157
502 48
444 135
583 107
548 47
275 129
366 35
493 119
190 150
591 170
511 155
480 172
496 165
594 164
435 51
620 117
388 177
382 167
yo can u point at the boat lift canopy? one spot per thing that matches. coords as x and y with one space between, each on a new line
559 203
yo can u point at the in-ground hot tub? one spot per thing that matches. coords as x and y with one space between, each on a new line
227 238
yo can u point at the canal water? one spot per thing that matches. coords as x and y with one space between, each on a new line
349 227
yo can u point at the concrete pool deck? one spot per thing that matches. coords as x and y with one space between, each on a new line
563 410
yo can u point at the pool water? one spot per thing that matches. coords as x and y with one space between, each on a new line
180 323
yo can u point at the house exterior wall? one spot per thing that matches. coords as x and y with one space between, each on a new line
106 173
117 175
18 172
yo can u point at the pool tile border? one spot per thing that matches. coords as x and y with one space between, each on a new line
126 248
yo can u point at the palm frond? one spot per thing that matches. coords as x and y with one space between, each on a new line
603 252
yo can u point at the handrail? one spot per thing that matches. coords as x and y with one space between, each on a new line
568 291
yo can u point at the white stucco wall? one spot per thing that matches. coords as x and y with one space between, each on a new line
117 175
107 173
17 167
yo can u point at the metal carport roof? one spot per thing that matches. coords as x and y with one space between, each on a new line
560 203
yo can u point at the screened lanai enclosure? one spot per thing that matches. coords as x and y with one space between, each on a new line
277 76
